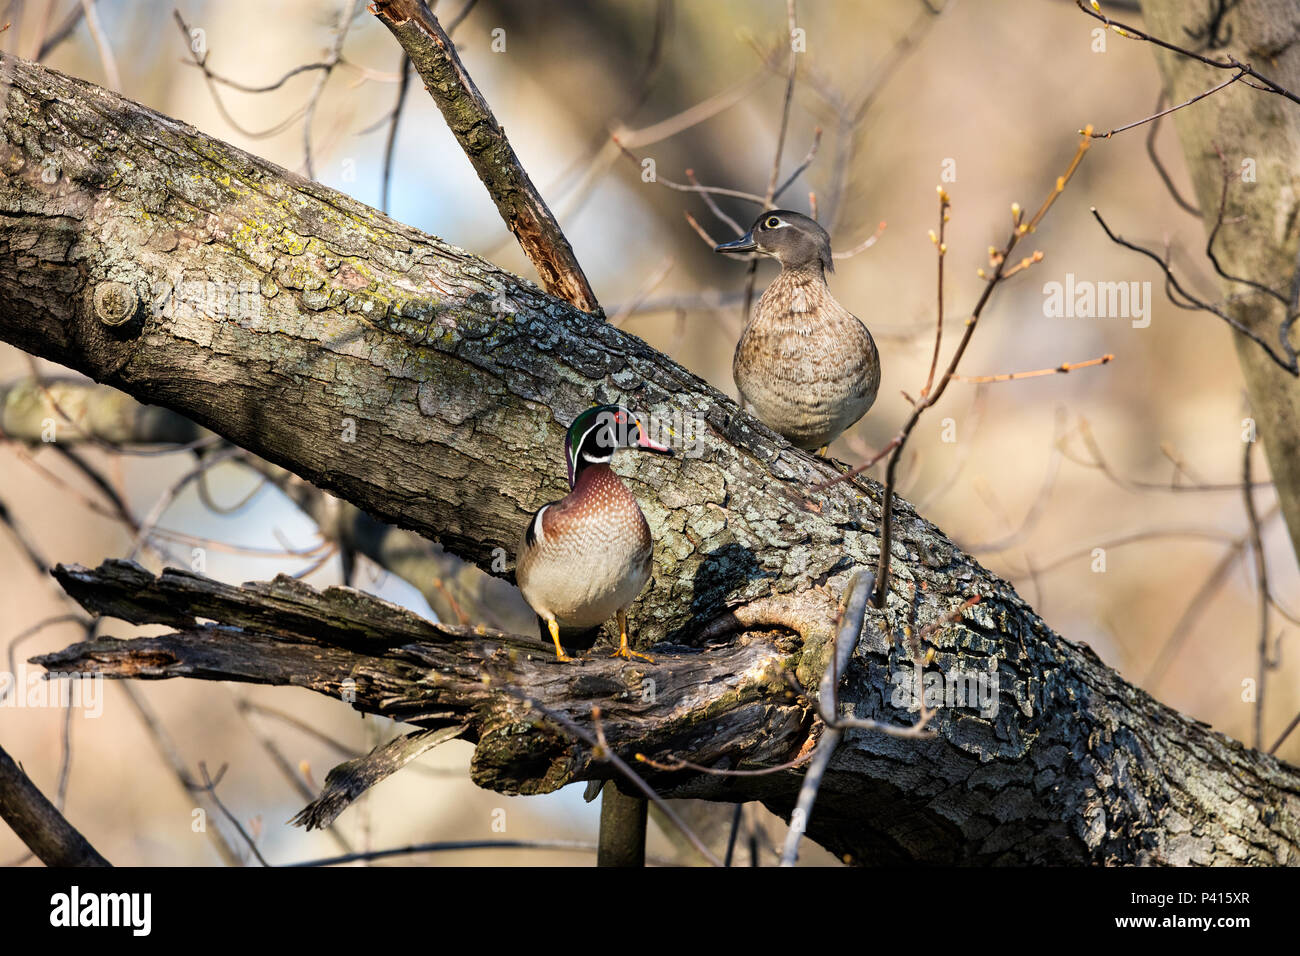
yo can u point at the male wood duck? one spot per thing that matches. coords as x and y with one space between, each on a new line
805 365
586 557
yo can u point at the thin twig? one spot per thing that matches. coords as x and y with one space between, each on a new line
677 763
693 186
165 500
803 165
1196 605
709 240
792 71
606 753
262 87
1230 63
857 594
1100 462
941 248
691 116
1039 506
162 739
390 143
737 814
459 18
32 631
651 283
1160 167
1214 233
787 101
102 46
394 118
999 258
209 787
1290 363
1295 722
1262 591
347 13
61 32
1063 368
856 598
1199 96
714 208
212 81
851 112
862 246
449 846
287 770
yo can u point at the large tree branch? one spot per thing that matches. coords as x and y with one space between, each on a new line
38 823
471 120
431 388
69 411
79 411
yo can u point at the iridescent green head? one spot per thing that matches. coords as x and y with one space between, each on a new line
598 432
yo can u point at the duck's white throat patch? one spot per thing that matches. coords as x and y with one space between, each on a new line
539 531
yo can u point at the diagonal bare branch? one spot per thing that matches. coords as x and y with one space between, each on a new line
38 822
485 144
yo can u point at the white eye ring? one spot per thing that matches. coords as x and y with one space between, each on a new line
773 223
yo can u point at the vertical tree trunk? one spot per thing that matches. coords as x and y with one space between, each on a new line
622 828
1259 135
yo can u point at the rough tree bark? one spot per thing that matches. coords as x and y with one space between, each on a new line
454 381
76 412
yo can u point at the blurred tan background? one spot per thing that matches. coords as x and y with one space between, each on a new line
994 90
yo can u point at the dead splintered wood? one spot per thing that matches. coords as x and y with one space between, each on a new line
1075 776
350 779
484 141
385 660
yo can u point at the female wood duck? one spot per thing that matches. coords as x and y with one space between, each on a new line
805 365
587 556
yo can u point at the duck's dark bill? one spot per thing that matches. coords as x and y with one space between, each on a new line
744 244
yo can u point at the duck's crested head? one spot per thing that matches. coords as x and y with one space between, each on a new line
792 238
598 432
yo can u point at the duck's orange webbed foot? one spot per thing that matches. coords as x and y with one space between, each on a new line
554 628
624 651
